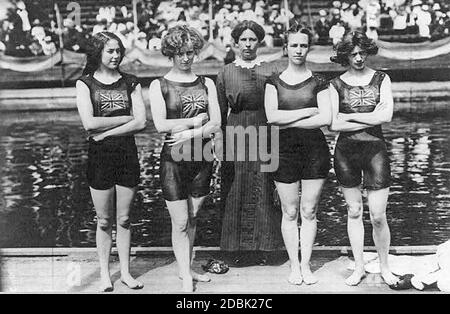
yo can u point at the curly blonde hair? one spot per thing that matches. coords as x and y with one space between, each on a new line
177 38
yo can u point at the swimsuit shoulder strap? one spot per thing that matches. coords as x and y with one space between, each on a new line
337 83
131 80
273 79
86 79
378 78
163 84
322 82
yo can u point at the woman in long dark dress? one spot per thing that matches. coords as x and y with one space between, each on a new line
250 221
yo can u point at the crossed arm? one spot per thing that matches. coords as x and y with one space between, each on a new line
307 118
338 123
159 114
184 129
86 111
110 126
383 111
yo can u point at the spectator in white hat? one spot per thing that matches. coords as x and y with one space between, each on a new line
373 14
154 43
48 47
23 14
424 21
322 28
336 33
141 41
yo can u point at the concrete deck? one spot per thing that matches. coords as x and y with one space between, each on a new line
78 272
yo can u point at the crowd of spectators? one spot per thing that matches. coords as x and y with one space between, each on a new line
29 30
402 20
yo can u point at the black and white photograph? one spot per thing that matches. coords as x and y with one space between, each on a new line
224 147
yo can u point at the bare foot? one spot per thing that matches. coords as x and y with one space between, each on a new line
106 285
295 278
188 284
200 277
389 278
355 278
308 276
130 282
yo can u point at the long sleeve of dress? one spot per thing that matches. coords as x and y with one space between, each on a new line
222 97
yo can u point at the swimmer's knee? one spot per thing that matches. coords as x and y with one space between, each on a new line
124 221
180 224
378 219
104 223
355 210
290 212
308 211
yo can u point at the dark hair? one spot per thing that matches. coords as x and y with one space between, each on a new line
251 25
95 48
177 37
297 27
354 39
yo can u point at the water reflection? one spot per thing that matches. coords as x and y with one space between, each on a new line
45 202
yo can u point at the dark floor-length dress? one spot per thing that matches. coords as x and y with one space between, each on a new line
250 221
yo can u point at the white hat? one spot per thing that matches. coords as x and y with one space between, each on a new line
246 6
322 13
436 6
416 2
141 35
68 23
121 27
21 5
337 4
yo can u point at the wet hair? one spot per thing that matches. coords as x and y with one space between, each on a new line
95 48
297 27
177 38
354 39
251 25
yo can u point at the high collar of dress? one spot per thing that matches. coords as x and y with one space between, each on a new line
247 65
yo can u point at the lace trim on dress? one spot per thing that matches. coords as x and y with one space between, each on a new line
247 65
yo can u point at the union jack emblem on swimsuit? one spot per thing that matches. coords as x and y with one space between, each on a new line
192 103
361 98
111 101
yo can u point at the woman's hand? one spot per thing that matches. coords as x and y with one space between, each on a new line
344 116
313 111
98 137
203 117
180 137
380 106
199 120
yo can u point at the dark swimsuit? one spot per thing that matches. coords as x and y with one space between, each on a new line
364 151
303 153
113 160
179 179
